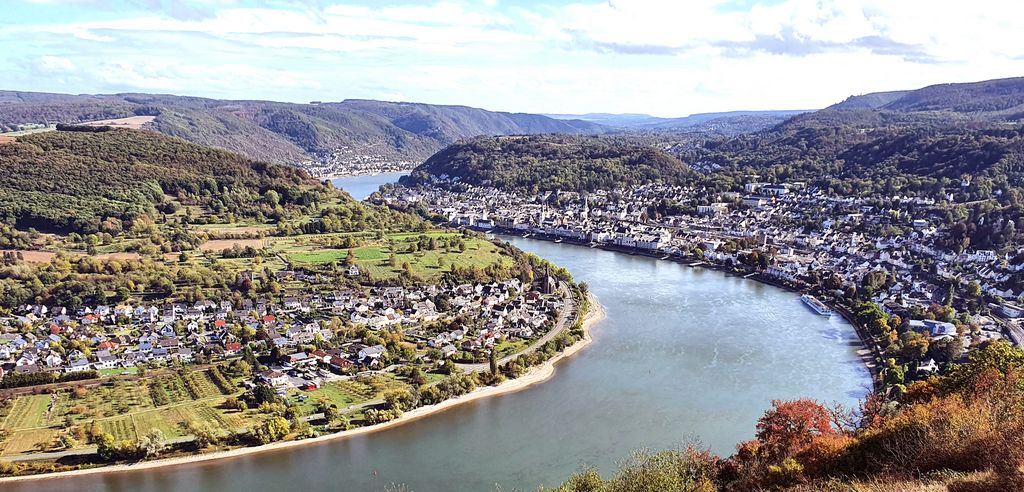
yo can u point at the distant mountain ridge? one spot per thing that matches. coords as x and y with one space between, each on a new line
989 101
917 139
288 132
926 138
723 124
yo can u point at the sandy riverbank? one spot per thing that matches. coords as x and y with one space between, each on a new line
536 375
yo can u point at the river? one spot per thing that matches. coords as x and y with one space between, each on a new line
684 353
360 187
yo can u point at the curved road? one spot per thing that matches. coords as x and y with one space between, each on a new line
566 315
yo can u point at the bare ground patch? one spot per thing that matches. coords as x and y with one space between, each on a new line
222 244
120 256
32 256
133 122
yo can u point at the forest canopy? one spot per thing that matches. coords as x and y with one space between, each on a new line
551 162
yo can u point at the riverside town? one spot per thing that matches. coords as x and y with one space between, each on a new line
495 246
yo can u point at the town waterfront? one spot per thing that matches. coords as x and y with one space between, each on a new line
684 353
360 187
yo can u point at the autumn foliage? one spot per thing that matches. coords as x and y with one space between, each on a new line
970 420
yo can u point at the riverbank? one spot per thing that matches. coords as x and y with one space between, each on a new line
534 376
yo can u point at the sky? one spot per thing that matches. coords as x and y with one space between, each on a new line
659 57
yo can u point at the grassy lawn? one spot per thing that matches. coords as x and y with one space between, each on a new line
510 346
119 371
433 377
349 391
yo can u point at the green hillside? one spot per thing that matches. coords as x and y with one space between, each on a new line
285 132
544 163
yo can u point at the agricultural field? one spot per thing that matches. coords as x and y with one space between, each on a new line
222 244
234 229
125 409
510 346
133 122
374 258
172 421
33 256
170 389
25 441
28 412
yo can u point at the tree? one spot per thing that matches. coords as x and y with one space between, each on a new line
264 394
893 372
272 197
250 357
946 349
791 425
274 429
914 346
974 289
106 447
401 400
152 444
203 434
240 367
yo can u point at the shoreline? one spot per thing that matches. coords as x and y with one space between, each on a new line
536 375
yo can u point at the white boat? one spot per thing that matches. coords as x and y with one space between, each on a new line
818 306
558 240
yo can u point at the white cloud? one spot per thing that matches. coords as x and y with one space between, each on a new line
668 57
54 64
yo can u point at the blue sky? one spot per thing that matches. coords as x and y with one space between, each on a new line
662 57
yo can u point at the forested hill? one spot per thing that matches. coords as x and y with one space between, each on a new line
976 103
550 162
96 180
284 132
925 141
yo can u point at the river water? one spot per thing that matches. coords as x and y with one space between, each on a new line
684 353
361 187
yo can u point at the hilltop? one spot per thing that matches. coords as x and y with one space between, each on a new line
285 132
924 138
549 162
985 102
87 180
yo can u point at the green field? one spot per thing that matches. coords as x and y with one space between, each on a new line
28 412
374 258
118 371
510 346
